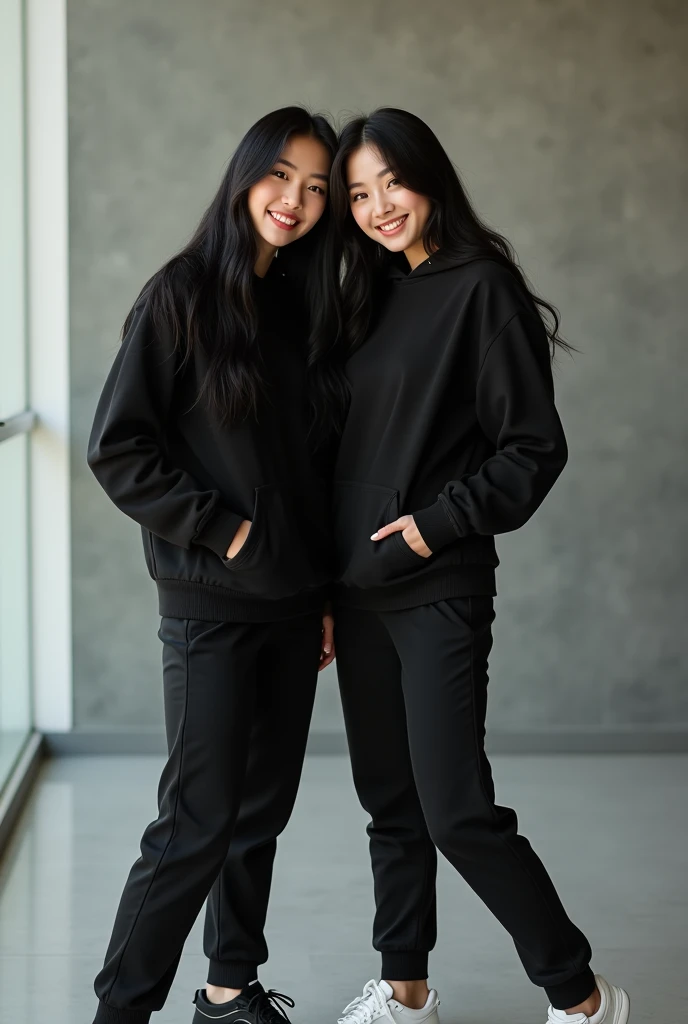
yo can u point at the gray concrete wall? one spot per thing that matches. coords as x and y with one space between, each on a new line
567 119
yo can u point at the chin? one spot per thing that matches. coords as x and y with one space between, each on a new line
393 244
275 240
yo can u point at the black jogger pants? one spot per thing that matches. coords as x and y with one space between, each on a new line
414 692
238 703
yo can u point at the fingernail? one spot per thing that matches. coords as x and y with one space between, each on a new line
374 536
328 650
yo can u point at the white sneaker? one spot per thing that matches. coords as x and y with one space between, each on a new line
377 1003
615 1008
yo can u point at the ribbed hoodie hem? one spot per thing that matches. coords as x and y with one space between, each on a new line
184 599
456 581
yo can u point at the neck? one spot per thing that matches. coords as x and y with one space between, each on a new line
266 254
416 254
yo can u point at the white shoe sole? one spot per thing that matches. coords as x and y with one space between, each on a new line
619 1009
622 1008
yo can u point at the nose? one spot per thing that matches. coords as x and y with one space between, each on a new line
383 204
292 198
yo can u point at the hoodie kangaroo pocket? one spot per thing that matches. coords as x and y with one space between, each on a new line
274 561
360 510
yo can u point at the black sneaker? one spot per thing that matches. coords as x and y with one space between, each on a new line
253 1005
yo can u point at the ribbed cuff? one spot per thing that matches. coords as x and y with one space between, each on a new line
572 992
232 973
217 533
410 965
435 526
112 1015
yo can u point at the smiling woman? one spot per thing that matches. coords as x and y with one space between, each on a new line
386 209
451 437
204 436
290 200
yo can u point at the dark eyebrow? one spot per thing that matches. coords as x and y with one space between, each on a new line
381 174
287 163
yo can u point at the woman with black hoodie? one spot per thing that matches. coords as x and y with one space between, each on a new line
451 436
204 436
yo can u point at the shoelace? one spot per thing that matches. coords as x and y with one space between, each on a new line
361 1009
267 1008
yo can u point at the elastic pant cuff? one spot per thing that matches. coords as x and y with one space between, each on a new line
409 965
112 1015
232 973
572 992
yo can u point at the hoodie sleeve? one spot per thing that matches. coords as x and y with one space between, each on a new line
126 450
515 410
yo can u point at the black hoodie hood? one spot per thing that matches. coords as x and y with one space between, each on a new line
438 263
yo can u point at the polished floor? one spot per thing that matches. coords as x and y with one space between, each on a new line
612 831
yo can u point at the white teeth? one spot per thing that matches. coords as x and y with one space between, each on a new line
282 218
393 225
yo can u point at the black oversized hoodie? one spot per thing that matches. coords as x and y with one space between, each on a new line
167 462
452 420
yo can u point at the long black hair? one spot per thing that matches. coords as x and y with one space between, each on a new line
204 294
416 157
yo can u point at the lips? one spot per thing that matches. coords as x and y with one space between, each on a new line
283 220
392 227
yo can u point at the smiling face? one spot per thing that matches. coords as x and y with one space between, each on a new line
291 198
388 212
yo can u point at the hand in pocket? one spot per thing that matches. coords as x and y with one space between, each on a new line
406 525
327 643
239 539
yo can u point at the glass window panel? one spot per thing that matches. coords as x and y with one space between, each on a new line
15 689
12 218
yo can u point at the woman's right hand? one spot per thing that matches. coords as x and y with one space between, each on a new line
239 539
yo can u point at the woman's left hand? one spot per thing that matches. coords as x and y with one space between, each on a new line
410 533
327 646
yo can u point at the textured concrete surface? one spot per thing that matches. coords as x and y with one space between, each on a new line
602 825
567 119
